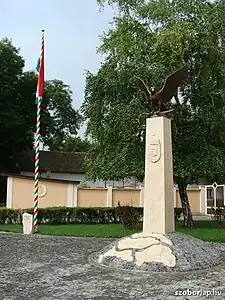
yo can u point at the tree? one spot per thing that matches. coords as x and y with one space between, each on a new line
151 39
14 132
60 119
18 109
72 144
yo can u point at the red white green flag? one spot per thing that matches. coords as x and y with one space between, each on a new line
40 70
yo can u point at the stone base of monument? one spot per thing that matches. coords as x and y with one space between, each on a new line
172 252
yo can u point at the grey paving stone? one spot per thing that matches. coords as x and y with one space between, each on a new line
54 268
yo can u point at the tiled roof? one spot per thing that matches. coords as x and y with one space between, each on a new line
60 162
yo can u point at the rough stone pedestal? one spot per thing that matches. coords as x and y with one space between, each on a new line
27 223
158 190
171 252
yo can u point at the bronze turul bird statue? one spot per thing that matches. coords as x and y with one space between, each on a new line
159 99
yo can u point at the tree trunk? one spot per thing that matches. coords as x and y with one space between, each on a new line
182 186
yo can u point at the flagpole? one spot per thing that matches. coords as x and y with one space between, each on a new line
39 95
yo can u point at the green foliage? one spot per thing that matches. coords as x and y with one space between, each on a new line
76 230
218 214
177 213
14 132
121 4
11 66
18 109
152 39
129 215
60 119
206 230
114 126
72 144
76 215
62 215
10 216
4 213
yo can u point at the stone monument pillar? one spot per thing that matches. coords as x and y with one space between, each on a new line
158 190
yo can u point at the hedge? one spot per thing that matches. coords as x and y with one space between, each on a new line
74 215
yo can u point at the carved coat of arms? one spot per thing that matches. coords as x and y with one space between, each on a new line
154 149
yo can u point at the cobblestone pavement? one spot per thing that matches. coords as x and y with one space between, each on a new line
54 268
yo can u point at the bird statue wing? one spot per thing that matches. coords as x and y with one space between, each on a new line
140 83
172 82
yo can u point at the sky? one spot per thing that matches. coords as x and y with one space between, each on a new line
72 30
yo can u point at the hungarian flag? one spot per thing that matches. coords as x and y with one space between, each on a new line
40 70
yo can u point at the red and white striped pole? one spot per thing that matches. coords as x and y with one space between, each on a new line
39 95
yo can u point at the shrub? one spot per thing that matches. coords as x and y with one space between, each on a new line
3 215
177 213
127 215
218 214
63 215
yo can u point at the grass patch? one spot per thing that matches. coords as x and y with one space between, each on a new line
96 230
206 230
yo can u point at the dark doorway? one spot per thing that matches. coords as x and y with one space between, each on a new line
3 190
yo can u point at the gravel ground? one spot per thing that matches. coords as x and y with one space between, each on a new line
54 268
